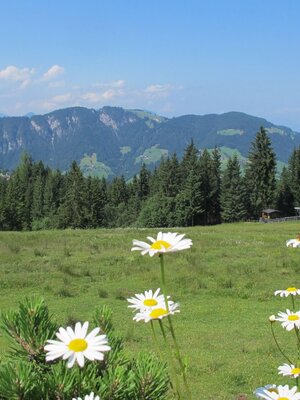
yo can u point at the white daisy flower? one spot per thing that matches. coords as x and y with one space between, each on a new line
147 300
76 345
164 243
156 313
289 320
285 293
289 370
88 397
293 242
262 389
280 393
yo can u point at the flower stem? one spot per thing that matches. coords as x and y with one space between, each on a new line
278 347
179 358
298 358
169 352
178 355
155 339
293 302
163 280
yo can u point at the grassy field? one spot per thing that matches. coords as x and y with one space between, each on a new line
224 285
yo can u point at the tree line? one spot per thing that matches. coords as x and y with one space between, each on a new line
187 192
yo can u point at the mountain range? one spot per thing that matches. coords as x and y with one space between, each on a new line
113 141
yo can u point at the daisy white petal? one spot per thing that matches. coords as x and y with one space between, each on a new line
80 359
71 360
280 393
289 320
62 335
75 345
260 390
156 312
288 291
88 397
289 370
293 242
93 333
146 300
164 243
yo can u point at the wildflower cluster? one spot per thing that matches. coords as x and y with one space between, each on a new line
86 361
290 321
156 306
57 363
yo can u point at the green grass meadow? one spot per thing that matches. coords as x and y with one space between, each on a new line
224 285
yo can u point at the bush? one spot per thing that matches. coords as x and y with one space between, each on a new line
25 374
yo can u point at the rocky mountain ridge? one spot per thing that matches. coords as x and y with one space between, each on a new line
113 141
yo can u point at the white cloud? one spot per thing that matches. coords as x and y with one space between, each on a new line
62 98
46 105
53 72
97 97
91 97
158 90
120 83
25 84
109 94
12 73
56 84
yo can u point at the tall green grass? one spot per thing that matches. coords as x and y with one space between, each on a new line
224 285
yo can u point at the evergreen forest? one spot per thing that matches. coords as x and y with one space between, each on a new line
194 190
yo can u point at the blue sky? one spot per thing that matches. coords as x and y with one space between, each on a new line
171 57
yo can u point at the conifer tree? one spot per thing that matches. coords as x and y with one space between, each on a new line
260 174
3 187
38 191
205 187
73 212
233 193
189 201
97 198
143 183
285 197
215 192
294 172
53 195
18 196
189 160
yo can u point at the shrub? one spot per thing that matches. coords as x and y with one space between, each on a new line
25 374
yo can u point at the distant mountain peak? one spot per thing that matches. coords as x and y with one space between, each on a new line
116 141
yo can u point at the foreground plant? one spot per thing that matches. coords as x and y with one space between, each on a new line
290 321
150 307
35 367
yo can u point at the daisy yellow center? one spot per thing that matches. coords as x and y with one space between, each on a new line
295 371
293 317
158 312
78 345
283 398
291 289
159 244
150 303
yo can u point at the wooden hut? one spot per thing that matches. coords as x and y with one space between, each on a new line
269 213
